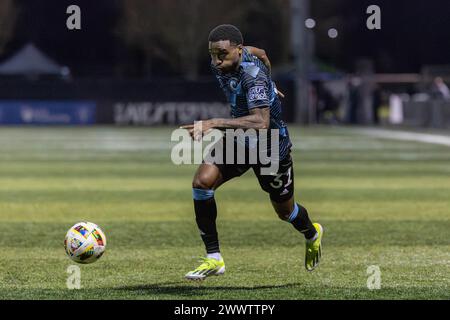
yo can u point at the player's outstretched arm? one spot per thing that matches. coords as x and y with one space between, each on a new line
259 118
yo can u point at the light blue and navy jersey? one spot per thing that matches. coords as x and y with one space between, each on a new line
251 87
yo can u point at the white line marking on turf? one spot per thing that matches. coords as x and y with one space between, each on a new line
407 136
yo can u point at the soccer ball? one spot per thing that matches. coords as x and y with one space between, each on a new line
85 242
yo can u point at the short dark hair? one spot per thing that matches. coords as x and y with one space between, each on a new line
226 32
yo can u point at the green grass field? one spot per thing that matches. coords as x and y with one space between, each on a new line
382 202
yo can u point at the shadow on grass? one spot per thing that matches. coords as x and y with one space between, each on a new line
197 288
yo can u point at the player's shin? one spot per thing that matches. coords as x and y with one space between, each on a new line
205 216
300 220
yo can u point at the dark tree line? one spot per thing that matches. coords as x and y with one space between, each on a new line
175 33
8 15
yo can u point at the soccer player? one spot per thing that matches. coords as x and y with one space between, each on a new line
246 82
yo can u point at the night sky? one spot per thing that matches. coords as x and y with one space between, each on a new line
413 33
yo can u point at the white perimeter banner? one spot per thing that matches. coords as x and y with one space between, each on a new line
154 113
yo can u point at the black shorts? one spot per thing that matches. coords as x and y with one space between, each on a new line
279 185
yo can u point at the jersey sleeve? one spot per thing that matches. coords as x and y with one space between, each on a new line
257 90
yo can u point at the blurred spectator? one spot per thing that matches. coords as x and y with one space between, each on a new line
376 103
439 89
353 99
326 104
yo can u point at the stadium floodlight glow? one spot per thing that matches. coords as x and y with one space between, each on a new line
310 23
332 33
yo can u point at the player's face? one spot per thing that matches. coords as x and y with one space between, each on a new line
225 56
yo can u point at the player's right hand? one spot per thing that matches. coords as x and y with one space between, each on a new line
197 130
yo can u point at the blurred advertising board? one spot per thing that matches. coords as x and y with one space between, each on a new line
41 112
154 113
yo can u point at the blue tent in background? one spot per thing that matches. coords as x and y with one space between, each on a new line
30 61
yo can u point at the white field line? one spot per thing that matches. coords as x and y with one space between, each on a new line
120 143
407 136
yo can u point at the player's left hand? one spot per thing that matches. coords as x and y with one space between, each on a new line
281 94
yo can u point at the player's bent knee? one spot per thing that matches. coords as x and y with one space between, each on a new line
203 181
202 188
206 177
199 183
